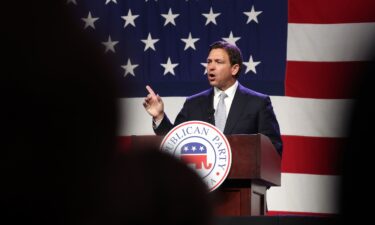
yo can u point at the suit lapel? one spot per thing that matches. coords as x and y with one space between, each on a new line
206 107
238 104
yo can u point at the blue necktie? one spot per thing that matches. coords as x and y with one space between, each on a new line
221 113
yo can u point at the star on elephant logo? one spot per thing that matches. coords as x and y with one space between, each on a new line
202 147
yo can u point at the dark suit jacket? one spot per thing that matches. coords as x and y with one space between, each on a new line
250 113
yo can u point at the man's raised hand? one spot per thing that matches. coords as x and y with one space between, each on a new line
154 104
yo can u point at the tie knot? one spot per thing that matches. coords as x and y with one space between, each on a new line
223 95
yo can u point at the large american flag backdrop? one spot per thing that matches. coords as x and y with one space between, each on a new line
305 54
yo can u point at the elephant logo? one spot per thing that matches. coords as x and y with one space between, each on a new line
195 153
203 147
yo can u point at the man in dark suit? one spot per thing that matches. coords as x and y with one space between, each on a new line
249 112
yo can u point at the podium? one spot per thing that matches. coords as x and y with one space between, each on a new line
256 165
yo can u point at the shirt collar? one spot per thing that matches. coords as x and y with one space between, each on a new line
230 91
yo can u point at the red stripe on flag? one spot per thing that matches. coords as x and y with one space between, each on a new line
309 155
312 155
289 213
332 11
124 143
327 80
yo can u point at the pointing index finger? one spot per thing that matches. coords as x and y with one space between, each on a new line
149 89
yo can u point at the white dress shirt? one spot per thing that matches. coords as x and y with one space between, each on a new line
228 100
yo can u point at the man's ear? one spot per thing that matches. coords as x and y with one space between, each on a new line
235 69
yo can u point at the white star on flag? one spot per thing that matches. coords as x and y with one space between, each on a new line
250 65
129 19
211 16
108 1
169 18
205 67
231 39
129 68
149 42
109 45
189 42
169 67
252 15
89 21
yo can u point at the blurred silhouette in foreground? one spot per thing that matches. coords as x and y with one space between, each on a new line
58 116
58 134
358 161
151 187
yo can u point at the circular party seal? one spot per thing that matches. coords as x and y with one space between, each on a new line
203 147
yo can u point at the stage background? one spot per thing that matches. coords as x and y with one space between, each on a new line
307 55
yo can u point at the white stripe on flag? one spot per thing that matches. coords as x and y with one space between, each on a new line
312 117
305 193
296 116
330 42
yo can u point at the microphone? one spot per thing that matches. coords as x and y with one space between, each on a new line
211 116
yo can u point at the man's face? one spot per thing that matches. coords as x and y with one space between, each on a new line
220 73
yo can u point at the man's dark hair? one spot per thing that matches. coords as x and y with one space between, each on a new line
234 53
